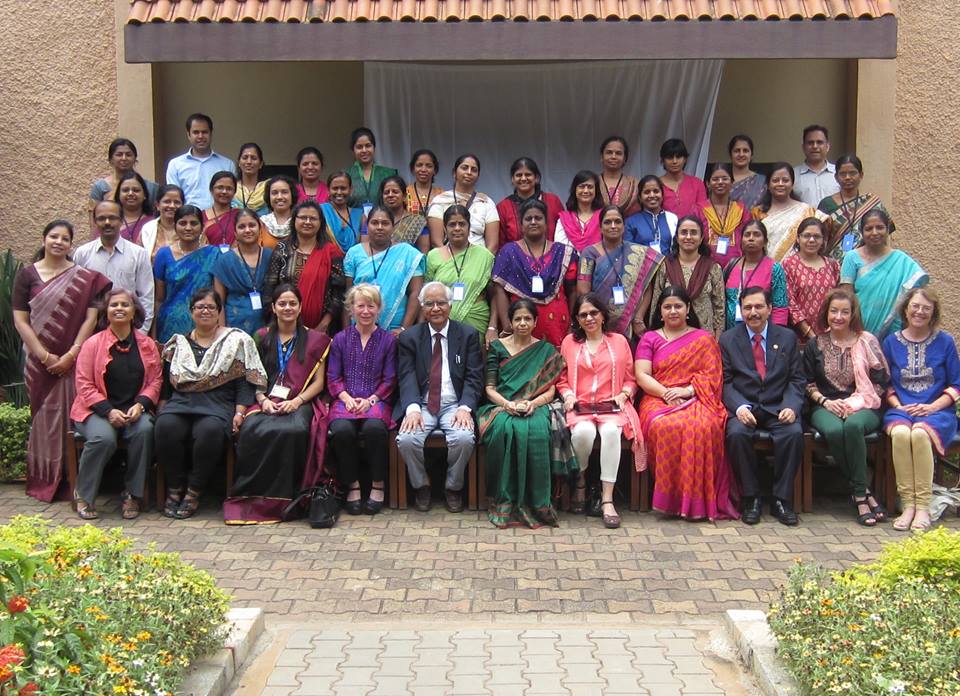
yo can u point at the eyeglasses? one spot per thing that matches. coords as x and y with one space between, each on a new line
589 314
811 237
308 218
922 309
205 308
430 304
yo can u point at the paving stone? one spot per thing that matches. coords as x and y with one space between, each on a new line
284 676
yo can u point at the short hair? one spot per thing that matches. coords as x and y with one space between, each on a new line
223 174
703 249
398 180
185 210
381 209
616 139
251 146
199 117
421 297
931 296
739 137
674 147
340 174
813 222
850 158
117 143
682 295
206 291
522 303
146 207
456 209
309 150
464 156
856 318
756 290
579 178
280 178
366 291
579 335
816 127
358 133
139 316
417 154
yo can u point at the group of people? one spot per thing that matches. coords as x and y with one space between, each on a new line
677 314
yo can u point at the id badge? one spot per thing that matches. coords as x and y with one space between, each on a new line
367 207
738 316
722 245
848 241
619 297
280 392
459 292
536 285
224 248
255 301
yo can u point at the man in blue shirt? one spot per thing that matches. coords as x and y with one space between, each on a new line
192 170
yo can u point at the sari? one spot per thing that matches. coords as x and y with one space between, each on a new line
391 270
633 266
240 281
181 278
410 228
514 271
782 227
345 232
251 198
511 230
880 286
318 275
623 194
847 219
472 267
735 218
366 192
524 453
577 234
685 442
749 192
280 455
415 204
768 275
219 229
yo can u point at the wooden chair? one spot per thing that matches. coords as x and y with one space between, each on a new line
397 471
72 454
813 442
890 475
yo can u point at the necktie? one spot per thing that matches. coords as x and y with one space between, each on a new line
759 359
436 376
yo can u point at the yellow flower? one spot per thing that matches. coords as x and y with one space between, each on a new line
73 669
119 689
144 635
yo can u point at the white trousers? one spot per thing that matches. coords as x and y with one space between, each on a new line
583 435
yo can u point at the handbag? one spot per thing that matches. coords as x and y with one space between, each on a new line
323 508
597 408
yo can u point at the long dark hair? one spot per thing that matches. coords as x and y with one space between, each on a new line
580 177
593 298
703 249
267 341
321 228
767 199
681 294
146 208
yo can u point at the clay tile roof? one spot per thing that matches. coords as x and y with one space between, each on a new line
146 11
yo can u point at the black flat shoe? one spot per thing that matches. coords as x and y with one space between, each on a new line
353 507
784 513
752 511
371 506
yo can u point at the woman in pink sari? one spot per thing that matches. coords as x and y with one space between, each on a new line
54 311
682 415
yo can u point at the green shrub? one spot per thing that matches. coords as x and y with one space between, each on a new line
92 616
14 431
11 351
933 557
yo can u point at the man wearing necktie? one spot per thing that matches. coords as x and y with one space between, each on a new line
763 387
440 371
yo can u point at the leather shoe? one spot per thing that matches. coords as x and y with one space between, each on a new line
454 501
751 511
422 500
783 512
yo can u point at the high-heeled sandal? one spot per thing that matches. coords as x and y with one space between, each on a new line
578 501
353 507
172 503
866 519
189 505
609 521
876 507
85 510
371 506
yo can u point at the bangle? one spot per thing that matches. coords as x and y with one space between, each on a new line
823 400
45 358
491 328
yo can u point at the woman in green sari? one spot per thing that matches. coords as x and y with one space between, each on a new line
523 428
466 269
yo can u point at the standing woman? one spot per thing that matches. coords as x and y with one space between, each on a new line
810 276
220 219
309 170
313 263
283 436
239 275
344 224
134 200
525 175
424 166
923 394
395 268
410 228
464 268
880 275
847 207
782 210
723 218
366 174
538 270
651 226
620 273
54 311
616 187
484 219
250 190
690 267
161 231
748 186
180 270
281 195
755 268
684 192
122 156
579 225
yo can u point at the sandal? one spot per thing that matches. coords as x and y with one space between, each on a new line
921 524
353 507
85 511
578 500
902 523
129 506
189 505
865 519
371 506
172 503
610 521
876 507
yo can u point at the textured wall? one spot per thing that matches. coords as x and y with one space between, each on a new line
58 112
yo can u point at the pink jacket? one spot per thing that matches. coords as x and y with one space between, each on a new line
92 366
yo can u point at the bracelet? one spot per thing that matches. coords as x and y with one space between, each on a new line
823 400
491 328
46 357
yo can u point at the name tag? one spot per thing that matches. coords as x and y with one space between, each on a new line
459 292
619 297
224 248
280 392
848 241
738 315
536 285
722 245
255 301
366 209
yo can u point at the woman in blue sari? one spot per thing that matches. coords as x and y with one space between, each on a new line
395 268
238 275
880 275
180 270
344 224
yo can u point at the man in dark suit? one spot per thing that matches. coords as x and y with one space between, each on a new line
763 387
440 369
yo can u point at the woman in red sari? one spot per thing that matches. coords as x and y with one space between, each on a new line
54 311
682 415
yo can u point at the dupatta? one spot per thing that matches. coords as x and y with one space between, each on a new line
514 270
581 235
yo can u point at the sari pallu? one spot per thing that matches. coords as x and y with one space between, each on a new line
782 227
181 279
391 270
633 265
511 229
847 219
881 286
524 453
280 455
623 194
57 311
344 232
132 233
730 228
749 191
410 228
220 229
475 267
240 281
685 442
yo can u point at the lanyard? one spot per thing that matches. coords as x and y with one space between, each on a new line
843 205
345 220
376 268
424 204
256 270
453 258
743 264
613 264
284 353
469 200
126 226
366 182
612 194
536 263
223 234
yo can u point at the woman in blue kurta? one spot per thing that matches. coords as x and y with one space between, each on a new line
925 386
238 275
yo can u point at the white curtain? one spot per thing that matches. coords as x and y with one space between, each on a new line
555 113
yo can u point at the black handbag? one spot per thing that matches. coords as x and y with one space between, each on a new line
324 507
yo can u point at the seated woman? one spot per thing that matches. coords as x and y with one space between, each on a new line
362 376
410 228
597 387
239 274
523 427
280 449
782 211
651 226
180 270
811 274
525 175
484 219
682 415
846 374
880 275
684 192
616 187
847 207
137 208
366 174
923 394
250 189
310 260
748 186
395 268
219 219
723 218
309 170
424 166
579 224
620 273
118 379
755 268
344 224
162 231
212 375
538 270
466 270
280 196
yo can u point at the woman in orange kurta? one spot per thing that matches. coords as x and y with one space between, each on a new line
597 389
